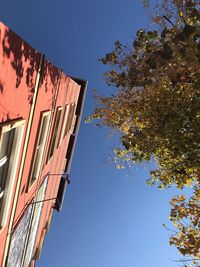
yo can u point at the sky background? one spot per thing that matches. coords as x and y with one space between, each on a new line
110 218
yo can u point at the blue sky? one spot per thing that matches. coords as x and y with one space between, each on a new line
109 218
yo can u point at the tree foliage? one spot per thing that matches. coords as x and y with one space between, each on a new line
185 216
156 103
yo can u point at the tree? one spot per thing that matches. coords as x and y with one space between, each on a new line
185 216
156 103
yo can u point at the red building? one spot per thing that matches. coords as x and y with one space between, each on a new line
40 112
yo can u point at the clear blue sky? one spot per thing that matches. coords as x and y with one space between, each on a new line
109 218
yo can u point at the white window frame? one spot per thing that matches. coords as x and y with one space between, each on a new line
42 146
12 167
73 122
55 145
66 115
68 128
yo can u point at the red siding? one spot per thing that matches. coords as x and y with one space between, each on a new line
19 65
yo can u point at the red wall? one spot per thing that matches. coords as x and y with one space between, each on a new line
18 70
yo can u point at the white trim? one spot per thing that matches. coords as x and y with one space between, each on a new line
12 168
52 147
2 193
68 127
38 167
3 161
66 115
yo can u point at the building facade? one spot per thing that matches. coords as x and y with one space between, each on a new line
40 112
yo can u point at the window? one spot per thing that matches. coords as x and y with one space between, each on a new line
54 138
67 107
70 118
73 124
41 139
10 142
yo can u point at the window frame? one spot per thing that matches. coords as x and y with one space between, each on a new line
70 120
37 146
64 122
14 153
52 146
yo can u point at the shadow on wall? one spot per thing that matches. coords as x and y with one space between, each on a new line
19 52
51 71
